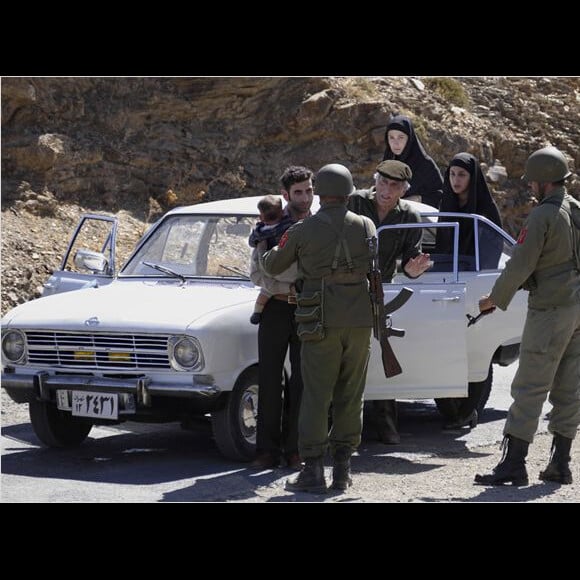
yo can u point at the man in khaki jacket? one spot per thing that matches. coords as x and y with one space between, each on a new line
546 262
334 319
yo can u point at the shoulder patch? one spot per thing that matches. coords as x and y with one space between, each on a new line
283 239
522 236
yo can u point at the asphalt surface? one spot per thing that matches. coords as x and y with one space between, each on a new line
162 463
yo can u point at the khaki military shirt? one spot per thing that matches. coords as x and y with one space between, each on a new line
312 244
544 250
393 244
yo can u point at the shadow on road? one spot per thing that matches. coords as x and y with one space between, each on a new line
508 493
233 486
140 455
140 458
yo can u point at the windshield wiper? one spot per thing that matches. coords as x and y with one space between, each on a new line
165 270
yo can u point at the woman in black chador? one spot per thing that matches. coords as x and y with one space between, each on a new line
465 190
404 145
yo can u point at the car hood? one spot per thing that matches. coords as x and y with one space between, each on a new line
148 306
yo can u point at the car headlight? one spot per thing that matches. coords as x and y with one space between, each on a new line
185 353
14 346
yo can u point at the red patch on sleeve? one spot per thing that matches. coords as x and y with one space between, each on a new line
522 235
283 240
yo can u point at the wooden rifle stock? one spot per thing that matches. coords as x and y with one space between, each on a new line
381 331
391 365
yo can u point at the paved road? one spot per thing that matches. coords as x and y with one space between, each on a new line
152 463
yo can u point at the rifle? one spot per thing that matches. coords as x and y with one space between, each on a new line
382 325
474 319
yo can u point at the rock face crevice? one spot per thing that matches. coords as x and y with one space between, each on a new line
143 145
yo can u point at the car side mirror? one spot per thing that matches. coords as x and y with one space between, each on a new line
94 262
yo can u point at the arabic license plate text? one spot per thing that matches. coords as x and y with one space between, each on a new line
99 405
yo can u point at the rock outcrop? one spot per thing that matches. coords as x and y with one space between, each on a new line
144 145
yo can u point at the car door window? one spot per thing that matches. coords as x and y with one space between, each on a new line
90 257
494 248
95 235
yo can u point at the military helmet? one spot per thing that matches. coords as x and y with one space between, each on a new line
546 165
333 179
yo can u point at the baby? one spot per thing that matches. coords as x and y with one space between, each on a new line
267 233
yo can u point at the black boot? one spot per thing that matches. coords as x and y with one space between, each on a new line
512 467
387 421
459 422
311 478
558 469
341 479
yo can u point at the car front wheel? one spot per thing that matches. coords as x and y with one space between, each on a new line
56 428
235 425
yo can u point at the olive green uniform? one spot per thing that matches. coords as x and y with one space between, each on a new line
544 262
393 244
332 253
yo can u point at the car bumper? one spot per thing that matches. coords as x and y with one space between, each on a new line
22 387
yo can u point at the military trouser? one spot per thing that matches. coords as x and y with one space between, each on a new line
549 362
334 372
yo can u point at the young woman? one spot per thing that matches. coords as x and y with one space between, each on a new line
465 190
402 144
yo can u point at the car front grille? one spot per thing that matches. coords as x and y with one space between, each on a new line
97 351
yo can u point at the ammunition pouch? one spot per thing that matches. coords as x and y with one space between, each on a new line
309 316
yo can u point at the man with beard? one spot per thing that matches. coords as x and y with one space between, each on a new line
546 262
277 430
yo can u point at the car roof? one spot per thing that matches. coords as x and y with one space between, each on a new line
249 206
238 205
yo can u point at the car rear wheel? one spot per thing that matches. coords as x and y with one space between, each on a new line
478 395
56 428
235 425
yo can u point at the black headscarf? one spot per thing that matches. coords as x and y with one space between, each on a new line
427 181
479 201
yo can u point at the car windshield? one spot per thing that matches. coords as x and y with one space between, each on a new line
195 245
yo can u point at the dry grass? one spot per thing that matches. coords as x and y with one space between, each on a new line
450 89
361 89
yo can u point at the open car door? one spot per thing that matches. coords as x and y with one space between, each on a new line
90 257
433 352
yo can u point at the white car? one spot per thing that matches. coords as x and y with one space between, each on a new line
169 339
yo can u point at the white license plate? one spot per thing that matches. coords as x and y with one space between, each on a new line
98 405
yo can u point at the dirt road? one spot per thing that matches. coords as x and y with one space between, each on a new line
152 463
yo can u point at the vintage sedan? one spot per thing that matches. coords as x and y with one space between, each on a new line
168 337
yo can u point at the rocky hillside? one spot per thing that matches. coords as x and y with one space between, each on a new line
139 146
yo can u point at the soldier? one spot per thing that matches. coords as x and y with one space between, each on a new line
546 262
334 319
383 204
